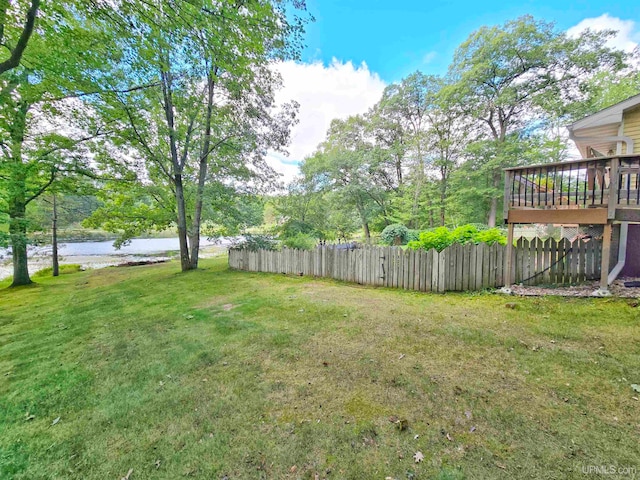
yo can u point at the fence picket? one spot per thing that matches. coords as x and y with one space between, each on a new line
456 268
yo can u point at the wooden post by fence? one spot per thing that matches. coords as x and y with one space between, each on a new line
508 267
606 256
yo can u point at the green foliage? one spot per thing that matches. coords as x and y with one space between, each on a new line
438 238
463 234
395 234
441 237
65 268
413 235
255 242
490 236
300 241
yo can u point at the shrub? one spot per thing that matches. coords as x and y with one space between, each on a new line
256 242
395 234
464 234
491 236
300 241
47 272
441 237
413 235
438 238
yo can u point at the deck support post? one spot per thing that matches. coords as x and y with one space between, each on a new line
508 262
603 291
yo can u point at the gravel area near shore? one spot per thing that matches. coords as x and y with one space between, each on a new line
100 261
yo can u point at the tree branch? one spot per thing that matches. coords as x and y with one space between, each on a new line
16 54
42 189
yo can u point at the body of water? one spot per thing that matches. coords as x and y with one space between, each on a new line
137 246
104 254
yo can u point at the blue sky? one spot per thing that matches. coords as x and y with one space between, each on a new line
355 48
395 38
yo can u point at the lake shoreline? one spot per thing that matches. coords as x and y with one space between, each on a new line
41 259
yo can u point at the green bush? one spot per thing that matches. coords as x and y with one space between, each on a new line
438 238
395 234
491 236
256 242
413 235
441 237
47 272
464 234
300 241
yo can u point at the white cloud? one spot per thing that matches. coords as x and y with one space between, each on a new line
429 57
626 39
324 92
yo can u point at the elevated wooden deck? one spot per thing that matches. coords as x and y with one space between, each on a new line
587 191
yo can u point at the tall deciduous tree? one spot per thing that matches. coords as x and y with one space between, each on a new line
42 130
512 75
346 165
201 136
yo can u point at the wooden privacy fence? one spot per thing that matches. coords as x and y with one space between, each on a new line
457 268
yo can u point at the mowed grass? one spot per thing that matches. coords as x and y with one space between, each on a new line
222 374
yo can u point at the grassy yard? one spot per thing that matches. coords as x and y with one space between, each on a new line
220 374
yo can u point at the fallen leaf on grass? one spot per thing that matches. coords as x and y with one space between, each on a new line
500 465
401 356
402 425
418 457
55 421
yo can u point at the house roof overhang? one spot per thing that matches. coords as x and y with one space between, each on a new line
609 116
599 134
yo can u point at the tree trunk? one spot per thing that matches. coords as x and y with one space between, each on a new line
185 263
202 172
443 199
54 239
444 177
18 201
167 93
367 233
432 222
18 235
493 209
492 212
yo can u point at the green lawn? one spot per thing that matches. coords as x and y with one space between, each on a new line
220 374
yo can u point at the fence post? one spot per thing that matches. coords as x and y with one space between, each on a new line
606 255
508 267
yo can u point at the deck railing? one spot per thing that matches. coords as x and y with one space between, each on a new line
589 183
